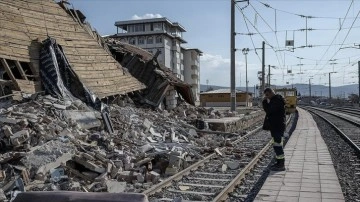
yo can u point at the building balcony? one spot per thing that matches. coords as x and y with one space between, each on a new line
194 72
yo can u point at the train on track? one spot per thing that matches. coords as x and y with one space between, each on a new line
290 95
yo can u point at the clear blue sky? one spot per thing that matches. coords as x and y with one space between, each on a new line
208 25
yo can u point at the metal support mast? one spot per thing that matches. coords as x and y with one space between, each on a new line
330 86
263 69
359 80
232 57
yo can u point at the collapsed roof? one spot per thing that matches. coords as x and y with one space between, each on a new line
25 24
145 67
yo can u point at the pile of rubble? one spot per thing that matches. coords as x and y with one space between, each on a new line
47 144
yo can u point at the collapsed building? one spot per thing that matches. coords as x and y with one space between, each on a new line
26 24
161 82
87 135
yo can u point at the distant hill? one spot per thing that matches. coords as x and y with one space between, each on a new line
303 89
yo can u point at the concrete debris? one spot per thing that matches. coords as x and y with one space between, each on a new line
114 186
233 165
67 146
184 188
223 168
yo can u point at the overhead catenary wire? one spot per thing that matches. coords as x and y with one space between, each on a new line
347 34
297 30
266 41
252 41
276 36
297 14
337 33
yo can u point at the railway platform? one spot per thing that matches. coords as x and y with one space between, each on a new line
310 174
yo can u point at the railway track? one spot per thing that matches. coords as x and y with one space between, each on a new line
347 128
217 175
355 112
342 133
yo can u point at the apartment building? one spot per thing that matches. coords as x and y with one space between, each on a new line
160 34
192 69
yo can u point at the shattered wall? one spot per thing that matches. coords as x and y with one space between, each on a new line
24 24
158 79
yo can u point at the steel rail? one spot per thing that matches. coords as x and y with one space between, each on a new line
223 195
337 129
194 166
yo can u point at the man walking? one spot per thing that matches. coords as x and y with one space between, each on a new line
274 106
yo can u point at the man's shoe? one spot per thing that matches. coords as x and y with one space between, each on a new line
279 166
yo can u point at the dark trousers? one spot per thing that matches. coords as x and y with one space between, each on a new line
278 143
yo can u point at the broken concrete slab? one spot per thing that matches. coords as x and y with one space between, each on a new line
7 131
146 148
114 186
155 177
49 166
233 165
58 106
223 168
127 176
19 137
147 124
8 120
89 165
85 119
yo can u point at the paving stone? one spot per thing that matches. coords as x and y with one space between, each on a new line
310 171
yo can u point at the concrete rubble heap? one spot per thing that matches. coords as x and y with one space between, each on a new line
48 145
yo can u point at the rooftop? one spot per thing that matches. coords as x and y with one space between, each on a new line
194 49
123 23
224 90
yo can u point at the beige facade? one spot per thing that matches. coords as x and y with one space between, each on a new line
192 70
221 98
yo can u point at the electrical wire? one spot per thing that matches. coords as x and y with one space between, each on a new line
276 36
299 15
252 41
347 34
266 41
297 30
337 33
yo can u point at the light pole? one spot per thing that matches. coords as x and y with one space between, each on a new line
359 81
232 57
269 75
310 90
245 52
330 85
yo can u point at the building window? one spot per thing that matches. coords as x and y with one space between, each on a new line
140 28
132 41
157 26
150 40
141 40
158 39
130 28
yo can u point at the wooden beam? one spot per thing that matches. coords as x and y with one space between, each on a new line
9 72
21 70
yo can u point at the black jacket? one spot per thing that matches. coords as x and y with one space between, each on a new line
275 114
